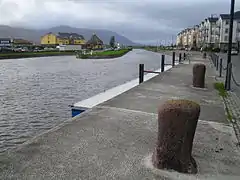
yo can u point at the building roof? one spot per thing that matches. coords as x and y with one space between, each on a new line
64 35
227 16
212 19
21 41
95 40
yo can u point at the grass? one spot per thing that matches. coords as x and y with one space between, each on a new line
219 86
14 55
106 54
111 52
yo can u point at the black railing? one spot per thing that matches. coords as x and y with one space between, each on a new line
142 71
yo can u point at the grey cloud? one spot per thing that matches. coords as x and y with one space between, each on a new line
145 20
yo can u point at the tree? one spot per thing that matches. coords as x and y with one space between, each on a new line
112 42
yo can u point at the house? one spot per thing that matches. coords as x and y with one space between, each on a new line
62 38
94 43
6 42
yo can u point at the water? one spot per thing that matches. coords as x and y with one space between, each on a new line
35 92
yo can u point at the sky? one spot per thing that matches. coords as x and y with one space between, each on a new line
143 21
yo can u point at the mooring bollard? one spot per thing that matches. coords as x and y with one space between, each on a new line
177 122
173 59
162 63
220 68
141 73
199 71
180 57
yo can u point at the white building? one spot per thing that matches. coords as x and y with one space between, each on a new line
223 23
212 32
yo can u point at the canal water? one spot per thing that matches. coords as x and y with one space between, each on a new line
35 93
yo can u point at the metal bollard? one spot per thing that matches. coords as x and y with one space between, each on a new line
217 63
180 57
141 73
173 59
215 60
184 56
220 68
162 63
228 78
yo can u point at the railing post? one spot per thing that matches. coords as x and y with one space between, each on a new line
173 59
228 77
220 68
215 60
162 63
180 57
141 73
184 56
217 63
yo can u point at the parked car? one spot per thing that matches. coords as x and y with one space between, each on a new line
234 52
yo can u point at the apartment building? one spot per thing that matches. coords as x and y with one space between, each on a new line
188 37
223 23
211 32
62 38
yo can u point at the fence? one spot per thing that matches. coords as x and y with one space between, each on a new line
142 71
218 64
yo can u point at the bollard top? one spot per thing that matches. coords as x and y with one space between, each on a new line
199 65
181 103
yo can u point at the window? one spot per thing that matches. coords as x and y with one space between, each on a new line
225 38
227 23
48 42
226 30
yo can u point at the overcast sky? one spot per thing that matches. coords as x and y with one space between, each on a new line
144 21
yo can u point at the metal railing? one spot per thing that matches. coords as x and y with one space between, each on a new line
218 63
182 57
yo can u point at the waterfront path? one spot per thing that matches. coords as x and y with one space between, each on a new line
115 139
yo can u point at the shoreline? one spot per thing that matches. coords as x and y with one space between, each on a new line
107 56
6 56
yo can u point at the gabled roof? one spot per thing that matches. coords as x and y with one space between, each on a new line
212 19
227 16
95 40
64 35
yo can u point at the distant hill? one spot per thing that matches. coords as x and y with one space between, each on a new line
35 35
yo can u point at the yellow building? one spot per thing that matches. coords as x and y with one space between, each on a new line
62 38
94 42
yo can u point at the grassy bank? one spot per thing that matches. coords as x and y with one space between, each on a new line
105 54
16 55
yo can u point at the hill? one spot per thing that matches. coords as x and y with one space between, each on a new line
34 35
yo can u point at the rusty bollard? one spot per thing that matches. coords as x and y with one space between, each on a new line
199 71
177 122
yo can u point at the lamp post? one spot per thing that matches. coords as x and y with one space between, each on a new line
229 63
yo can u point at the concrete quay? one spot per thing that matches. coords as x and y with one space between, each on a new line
115 139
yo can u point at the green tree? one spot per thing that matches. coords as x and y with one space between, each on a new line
112 42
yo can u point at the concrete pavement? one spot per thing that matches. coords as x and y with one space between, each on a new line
115 139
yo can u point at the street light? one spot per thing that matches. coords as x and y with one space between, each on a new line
229 63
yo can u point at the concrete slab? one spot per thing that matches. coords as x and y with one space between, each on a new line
111 143
173 84
115 140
